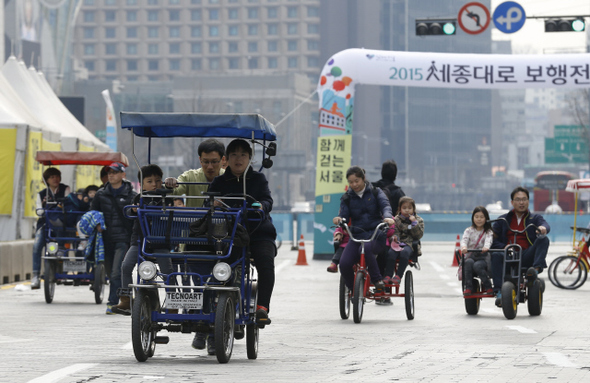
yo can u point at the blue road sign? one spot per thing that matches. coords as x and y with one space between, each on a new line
509 17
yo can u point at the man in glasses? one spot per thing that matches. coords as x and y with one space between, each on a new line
534 242
211 155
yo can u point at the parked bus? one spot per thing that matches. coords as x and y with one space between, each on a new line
549 187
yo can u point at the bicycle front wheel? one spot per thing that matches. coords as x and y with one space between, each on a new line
569 272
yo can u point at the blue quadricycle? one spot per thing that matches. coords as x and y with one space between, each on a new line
212 288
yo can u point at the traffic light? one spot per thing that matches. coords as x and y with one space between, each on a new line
565 25
435 27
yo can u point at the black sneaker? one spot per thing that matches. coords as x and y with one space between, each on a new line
384 302
499 299
262 318
379 287
199 341
211 345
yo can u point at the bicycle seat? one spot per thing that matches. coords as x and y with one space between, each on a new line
581 229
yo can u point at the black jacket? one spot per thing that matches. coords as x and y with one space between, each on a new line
392 191
503 236
257 188
118 227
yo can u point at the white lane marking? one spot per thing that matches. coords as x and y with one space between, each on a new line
523 330
127 346
558 359
437 267
283 264
57 375
149 377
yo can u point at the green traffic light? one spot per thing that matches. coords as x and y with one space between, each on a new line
578 25
449 28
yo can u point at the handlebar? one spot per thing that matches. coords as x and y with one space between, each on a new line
161 192
344 225
511 229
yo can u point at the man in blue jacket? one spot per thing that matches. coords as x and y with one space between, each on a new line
534 242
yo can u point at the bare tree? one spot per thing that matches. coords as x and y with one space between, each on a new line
579 104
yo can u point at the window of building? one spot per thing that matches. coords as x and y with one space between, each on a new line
153 49
110 49
196 48
232 13
153 15
110 2
214 14
213 31
110 33
196 14
214 47
292 45
131 16
111 65
272 12
153 32
174 64
174 32
253 1
291 12
292 62
232 47
88 32
233 63
273 63
174 48
196 31
195 1
213 1
313 45
272 46
131 32
232 30
131 49
313 11
214 64
89 65
88 49
273 29
89 16
196 64
252 30
313 29
132 65
232 1
253 13
313 62
173 2
174 15
131 2
110 16
132 78
253 63
152 2
292 29
252 46
88 2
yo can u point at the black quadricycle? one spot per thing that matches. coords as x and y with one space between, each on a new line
213 289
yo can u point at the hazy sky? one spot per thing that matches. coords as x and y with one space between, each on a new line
532 37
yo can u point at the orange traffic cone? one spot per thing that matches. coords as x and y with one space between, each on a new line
457 252
301 258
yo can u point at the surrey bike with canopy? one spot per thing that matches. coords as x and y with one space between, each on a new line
218 292
65 261
570 271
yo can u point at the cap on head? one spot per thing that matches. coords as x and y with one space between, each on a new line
118 167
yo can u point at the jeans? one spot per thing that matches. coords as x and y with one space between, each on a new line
352 256
38 245
404 259
533 256
130 261
337 255
480 268
113 259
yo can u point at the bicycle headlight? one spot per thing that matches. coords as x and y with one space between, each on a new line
222 271
52 248
147 270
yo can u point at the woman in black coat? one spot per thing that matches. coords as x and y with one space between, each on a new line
263 235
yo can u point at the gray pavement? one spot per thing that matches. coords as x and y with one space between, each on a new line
72 340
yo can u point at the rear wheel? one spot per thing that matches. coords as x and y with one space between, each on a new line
535 298
344 299
409 294
569 272
252 332
472 304
225 319
142 335
49 279
358 298
509 301
99 282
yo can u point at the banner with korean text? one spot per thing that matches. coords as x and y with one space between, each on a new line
7 159
344 70
87 174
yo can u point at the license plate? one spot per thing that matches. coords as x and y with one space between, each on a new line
74 266
184 300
